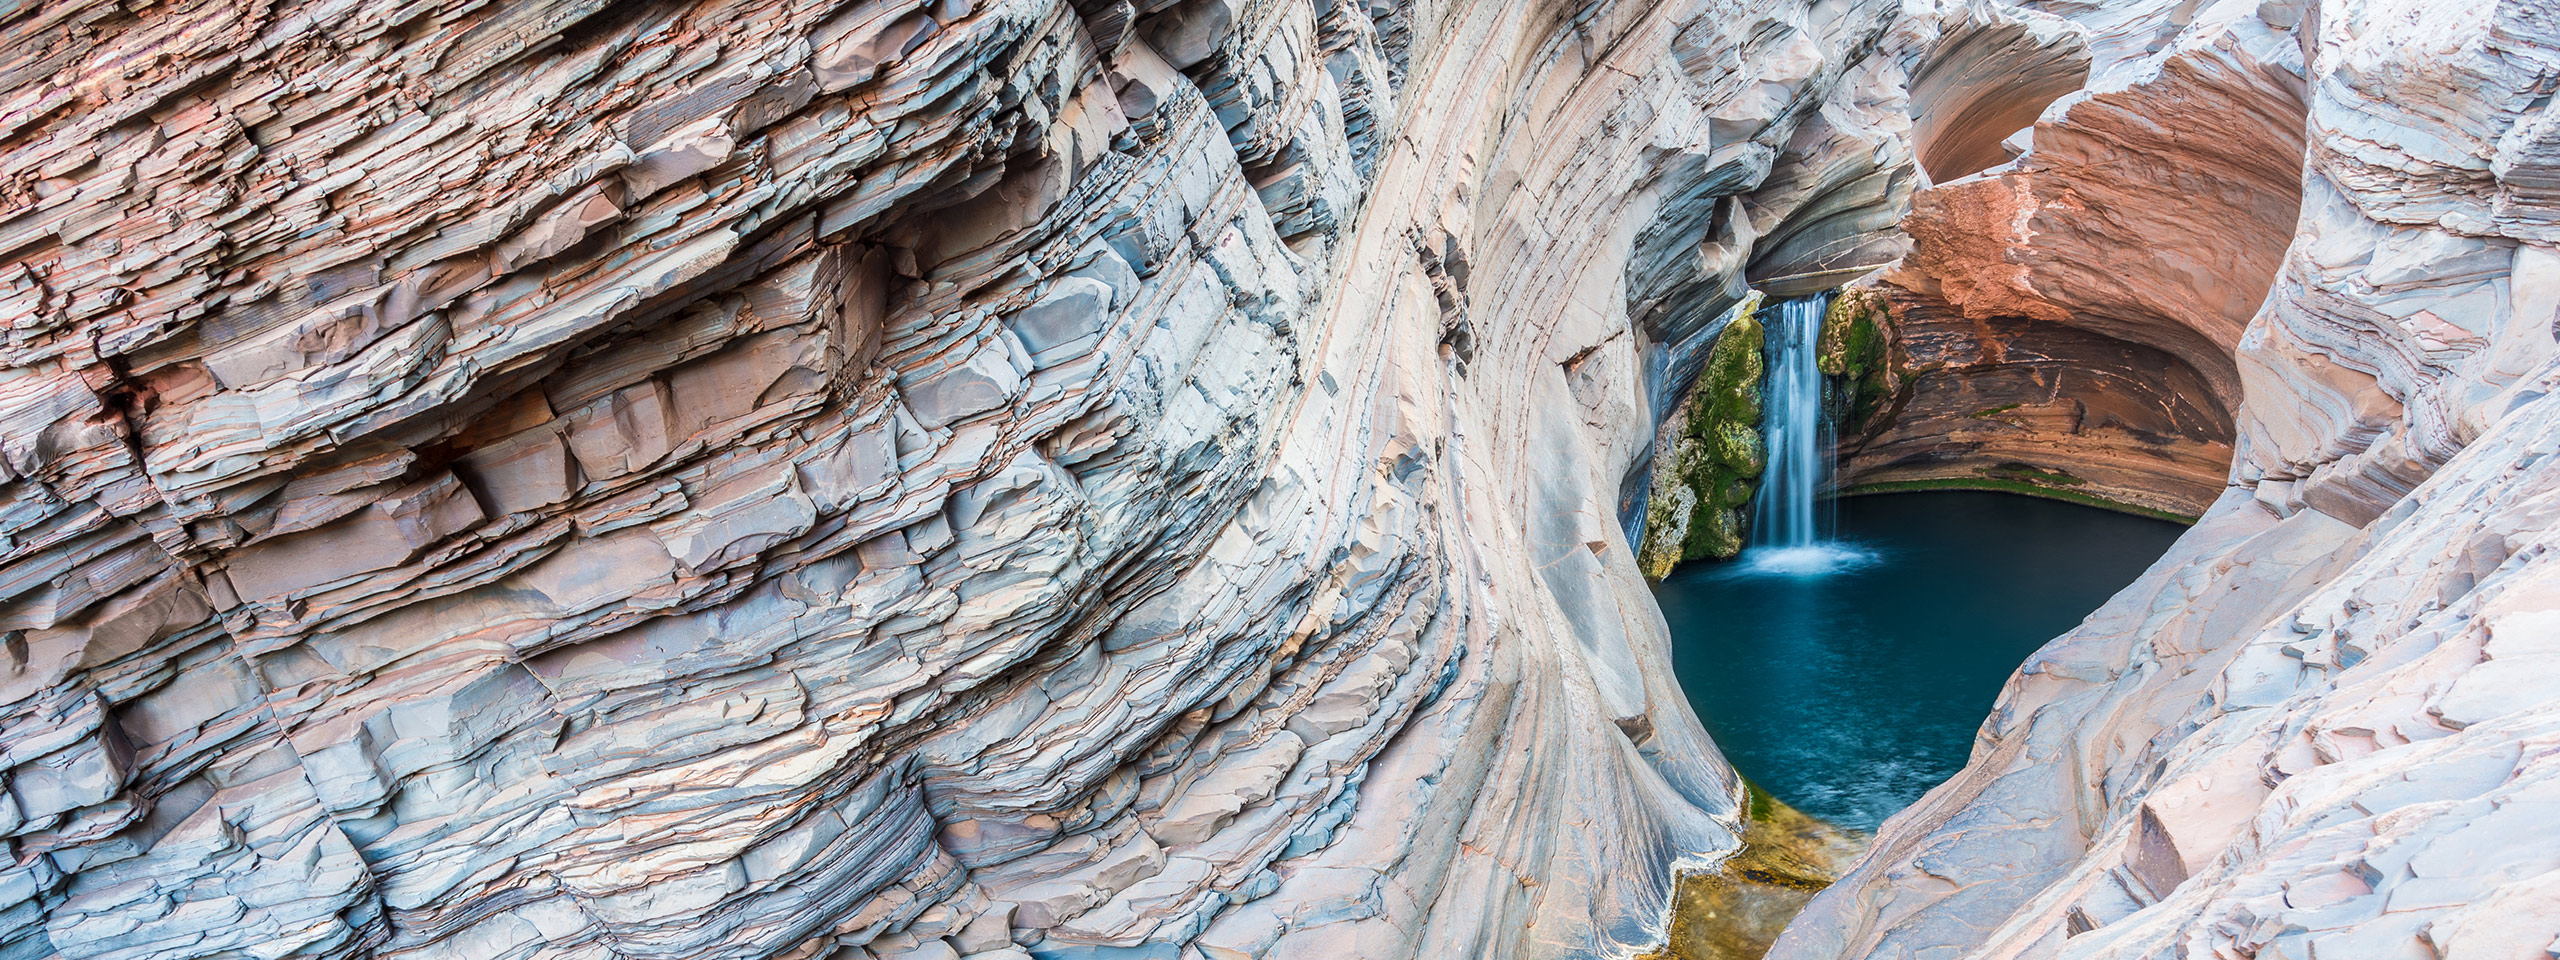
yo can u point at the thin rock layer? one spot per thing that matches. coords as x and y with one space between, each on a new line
738 479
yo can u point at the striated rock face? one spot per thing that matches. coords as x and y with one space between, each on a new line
2076 309
770 480
2324 725
1099 479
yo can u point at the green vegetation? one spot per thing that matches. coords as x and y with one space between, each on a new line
1716 455
1853 349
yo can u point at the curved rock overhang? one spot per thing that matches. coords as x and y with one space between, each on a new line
2315 726
1989 77
2033 340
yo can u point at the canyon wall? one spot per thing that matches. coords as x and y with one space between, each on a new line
2324 725
778 479
2079 280
754 479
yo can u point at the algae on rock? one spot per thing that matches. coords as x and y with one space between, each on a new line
1734 912
1715 454
1853 349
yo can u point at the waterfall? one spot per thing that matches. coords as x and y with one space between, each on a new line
1789 524
1799 436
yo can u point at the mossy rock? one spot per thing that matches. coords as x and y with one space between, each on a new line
1714 531
1853 348
1692 457
1739 447
1666 530
1724 419
1728 390
1705 478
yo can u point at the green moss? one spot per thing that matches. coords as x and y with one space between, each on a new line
1738 445
1666 519
1760 804
1987 413
1715 530
2029 473
2004 485
1853 348
1705 478
1724 423
1728 390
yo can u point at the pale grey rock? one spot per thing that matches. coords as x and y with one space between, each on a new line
549 481
1071 313
1189 31
734 480
2319 726
391 531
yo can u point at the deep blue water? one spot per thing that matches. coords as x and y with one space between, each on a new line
1849 679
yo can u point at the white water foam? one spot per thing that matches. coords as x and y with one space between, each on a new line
1818 559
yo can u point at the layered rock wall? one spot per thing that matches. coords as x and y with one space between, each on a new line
2079 279
797 480
774 480
2322 726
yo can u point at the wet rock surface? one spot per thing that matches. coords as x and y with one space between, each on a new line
1734 911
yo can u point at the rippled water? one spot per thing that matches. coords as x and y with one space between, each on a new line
1848 677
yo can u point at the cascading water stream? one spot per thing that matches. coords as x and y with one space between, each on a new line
1845 666
1798 457
1787 534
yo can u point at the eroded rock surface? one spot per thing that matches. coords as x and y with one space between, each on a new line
719 478
2323 725
2079 280
724 478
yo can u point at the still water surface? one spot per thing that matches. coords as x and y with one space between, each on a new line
1847 678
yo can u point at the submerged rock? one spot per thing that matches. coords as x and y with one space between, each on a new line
1736 909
